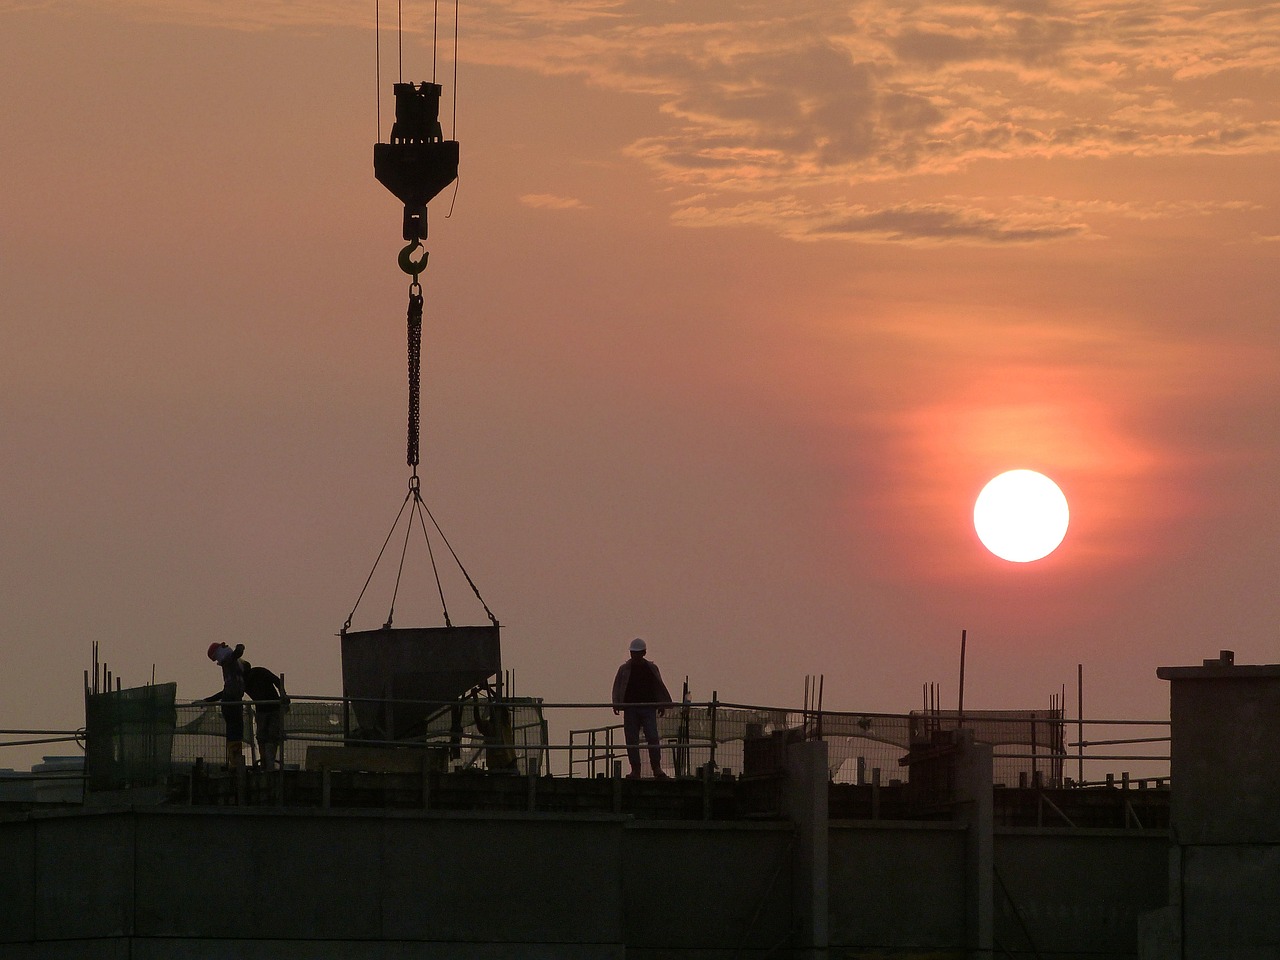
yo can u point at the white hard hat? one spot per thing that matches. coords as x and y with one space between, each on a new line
637 646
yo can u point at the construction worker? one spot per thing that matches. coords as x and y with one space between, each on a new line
270 702
232 692
641 697
499 737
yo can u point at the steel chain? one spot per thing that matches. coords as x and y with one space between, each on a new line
415 369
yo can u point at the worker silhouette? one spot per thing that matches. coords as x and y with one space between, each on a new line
232 692
641 697
495 726
270 703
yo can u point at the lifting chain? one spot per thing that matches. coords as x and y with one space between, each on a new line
414 268
415 370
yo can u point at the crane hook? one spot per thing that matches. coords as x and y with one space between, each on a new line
408 264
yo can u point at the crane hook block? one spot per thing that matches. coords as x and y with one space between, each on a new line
408 264
418 162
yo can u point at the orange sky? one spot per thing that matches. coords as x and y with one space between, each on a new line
738 308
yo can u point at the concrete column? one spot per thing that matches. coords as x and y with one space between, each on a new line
976 809
806 807
1225 814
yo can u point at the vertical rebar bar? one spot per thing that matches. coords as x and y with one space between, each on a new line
1080 722
715 698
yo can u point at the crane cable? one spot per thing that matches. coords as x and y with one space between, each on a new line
414 268
413 316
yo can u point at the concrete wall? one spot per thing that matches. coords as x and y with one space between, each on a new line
1076 893
706 886
195 883
1230 893
1225 815
900 888
897 886
1223 752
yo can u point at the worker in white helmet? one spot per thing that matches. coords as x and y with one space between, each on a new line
641 697
232 692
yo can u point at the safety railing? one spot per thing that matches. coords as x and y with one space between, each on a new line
507 734
513 735
1028 747
516 735
58 779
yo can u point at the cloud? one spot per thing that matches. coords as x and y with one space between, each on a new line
974 220
548 201
236 14
913 223
755 98
830 95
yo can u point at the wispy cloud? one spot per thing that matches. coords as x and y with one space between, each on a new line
549 201
831 96
973 220
232 14
754 98
901 223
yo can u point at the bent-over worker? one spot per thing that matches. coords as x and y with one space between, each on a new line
232 692
270 702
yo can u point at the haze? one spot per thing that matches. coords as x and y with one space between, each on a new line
738 308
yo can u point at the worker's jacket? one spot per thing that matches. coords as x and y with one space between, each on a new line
620 682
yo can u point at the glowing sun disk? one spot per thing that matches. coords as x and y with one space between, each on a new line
1021 516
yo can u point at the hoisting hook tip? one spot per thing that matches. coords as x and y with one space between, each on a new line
408 264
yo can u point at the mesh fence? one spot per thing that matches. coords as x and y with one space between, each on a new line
466 735
861 747
135 736
129 736
201 733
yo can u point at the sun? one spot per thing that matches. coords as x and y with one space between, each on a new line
1021 516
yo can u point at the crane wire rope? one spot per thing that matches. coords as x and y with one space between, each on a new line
377 66
414 342
453 118
453 114
395 591
395 523
418 507
458 561
435 35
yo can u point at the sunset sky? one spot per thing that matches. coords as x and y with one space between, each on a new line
739 306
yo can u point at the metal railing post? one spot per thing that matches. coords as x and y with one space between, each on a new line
715 698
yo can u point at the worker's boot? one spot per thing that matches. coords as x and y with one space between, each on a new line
655 761
235 754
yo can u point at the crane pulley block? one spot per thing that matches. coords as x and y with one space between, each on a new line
418 162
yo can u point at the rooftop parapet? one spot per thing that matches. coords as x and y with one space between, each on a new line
1223 722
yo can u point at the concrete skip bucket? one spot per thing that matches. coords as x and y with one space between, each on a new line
438 665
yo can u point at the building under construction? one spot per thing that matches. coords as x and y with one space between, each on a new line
430 812
416 829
